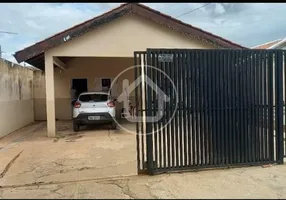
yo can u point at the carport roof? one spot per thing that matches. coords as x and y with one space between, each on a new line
34 54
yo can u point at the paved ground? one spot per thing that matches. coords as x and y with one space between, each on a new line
95 153
243 183
102 164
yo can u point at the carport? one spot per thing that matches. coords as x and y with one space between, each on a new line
103 47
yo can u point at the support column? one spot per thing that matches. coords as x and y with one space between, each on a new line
50 96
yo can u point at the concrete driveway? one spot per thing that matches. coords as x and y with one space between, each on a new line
98 163
96 152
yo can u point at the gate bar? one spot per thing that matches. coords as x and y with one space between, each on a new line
279 108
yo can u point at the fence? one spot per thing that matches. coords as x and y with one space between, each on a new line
224 115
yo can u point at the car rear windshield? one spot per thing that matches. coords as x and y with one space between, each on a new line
93 97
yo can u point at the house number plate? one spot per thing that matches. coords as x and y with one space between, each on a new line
165 57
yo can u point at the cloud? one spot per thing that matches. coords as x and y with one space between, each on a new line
37 21
248 24
219 9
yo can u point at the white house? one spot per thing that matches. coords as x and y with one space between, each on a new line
275 44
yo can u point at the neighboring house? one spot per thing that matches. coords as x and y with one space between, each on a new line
101 48
276 44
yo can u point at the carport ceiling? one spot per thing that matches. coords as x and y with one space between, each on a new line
39 61
34 54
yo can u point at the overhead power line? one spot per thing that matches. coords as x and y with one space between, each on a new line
193 10
6 32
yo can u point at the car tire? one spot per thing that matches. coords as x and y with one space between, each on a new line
113 126
75 127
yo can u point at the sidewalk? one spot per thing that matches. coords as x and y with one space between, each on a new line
243 183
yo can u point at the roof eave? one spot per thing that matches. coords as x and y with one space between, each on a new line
199 33
73 32
139 9
265 43
277 44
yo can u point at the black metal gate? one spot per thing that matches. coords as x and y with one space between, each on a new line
225 109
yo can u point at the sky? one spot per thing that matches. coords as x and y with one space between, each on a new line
248 24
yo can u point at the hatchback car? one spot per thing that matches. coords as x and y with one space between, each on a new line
93 108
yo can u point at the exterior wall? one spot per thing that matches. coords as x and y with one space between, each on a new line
16 97
84 67
125 35
105 52
39 93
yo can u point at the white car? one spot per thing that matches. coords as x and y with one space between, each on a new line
93 108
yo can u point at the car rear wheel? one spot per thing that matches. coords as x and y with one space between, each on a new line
75 127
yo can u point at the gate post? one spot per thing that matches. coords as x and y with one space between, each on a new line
279 107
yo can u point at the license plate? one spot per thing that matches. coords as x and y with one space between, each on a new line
93 117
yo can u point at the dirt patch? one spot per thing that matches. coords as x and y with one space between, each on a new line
74 138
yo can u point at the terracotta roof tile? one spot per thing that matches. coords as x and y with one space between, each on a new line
267 45
35 51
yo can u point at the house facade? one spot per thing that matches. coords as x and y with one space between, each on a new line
97 50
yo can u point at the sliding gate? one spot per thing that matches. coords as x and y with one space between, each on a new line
221 108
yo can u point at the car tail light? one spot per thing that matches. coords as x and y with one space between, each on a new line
77 104
111 104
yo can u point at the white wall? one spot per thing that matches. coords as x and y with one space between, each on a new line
125 35
16 97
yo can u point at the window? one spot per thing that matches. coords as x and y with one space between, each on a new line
106 82
93 97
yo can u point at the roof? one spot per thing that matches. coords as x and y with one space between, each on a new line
11 63
274 46
34 54
268 45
